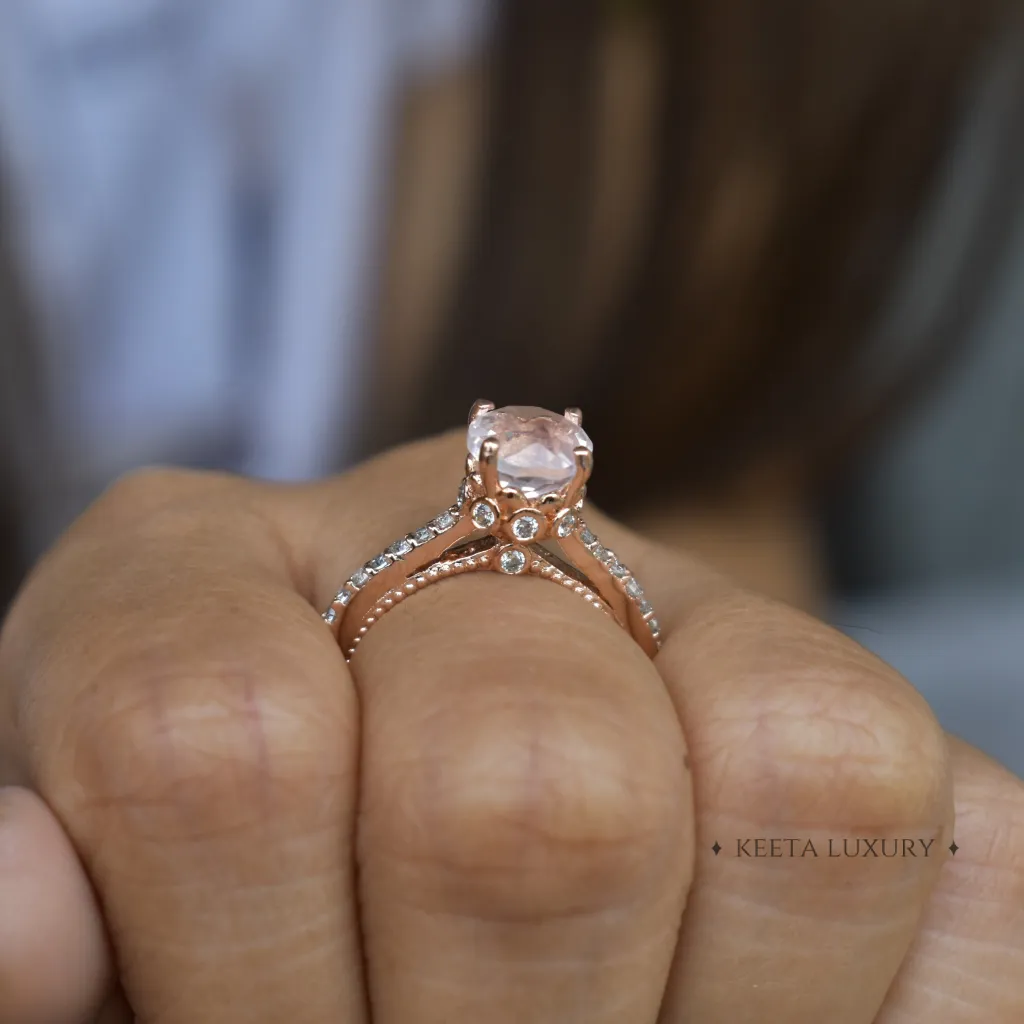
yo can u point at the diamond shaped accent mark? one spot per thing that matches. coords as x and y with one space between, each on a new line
525 527
716 848
953 848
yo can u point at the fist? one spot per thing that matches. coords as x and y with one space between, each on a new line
501 810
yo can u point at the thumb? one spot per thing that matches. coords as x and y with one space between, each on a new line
54 961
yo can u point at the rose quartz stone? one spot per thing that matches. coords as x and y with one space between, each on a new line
535 447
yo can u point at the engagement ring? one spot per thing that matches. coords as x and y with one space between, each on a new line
519 512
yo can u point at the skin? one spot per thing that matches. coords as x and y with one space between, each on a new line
500 811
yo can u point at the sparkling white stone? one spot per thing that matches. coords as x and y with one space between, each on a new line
535 447
525 527
483 514
377 564
400 548
512 562
445 521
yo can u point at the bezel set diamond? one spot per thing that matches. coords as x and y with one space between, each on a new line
484 515
513 561
525 526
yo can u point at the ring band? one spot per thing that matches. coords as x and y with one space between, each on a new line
519 512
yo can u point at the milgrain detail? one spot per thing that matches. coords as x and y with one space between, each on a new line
485 561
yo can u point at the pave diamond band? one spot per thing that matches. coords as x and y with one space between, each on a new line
536 529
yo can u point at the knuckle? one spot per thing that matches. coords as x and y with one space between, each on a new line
827 747
156 495
530 818
146 483
194 754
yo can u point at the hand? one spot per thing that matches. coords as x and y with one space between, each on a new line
503 812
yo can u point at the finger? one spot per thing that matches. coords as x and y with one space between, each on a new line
54 963
967 962
193 725
525 827
795 733
115 1011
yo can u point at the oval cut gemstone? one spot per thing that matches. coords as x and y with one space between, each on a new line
535 447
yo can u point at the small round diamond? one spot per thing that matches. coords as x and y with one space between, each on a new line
483 515
525 527
566 525
512 561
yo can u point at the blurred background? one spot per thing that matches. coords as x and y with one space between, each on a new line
774 250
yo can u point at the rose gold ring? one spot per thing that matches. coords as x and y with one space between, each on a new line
519 512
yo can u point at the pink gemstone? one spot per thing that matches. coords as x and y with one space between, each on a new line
535 447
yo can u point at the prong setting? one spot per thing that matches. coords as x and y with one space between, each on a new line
480 406
584 467
488 463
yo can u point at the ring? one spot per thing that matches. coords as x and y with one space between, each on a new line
519 512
